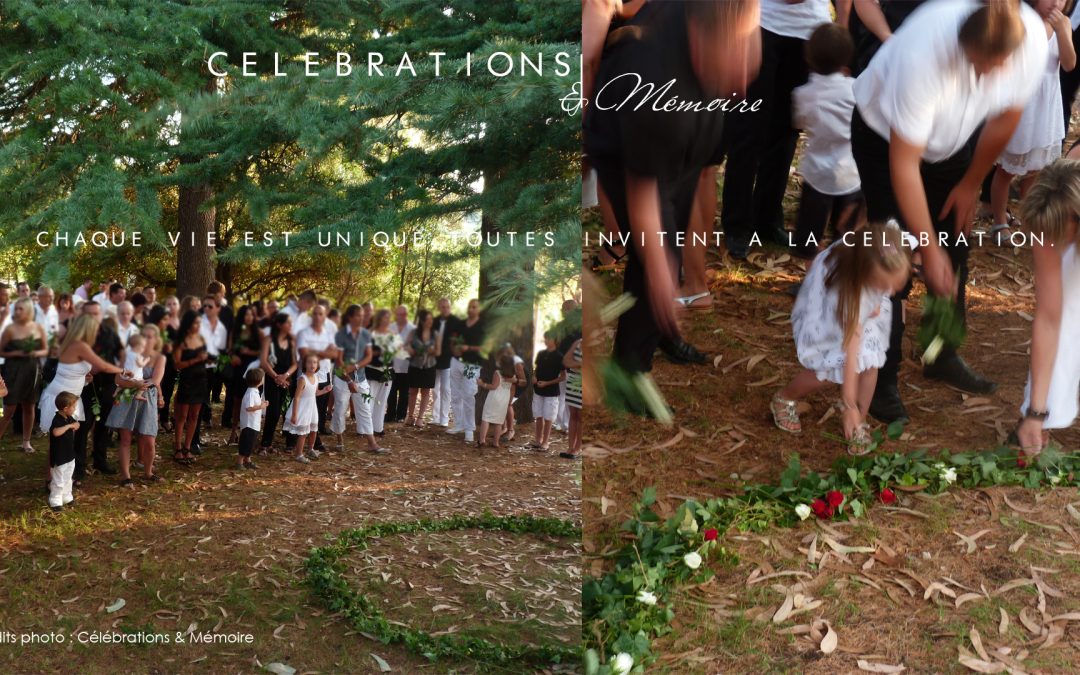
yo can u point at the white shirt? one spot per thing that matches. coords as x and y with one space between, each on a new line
309 338
300 320
798 20
922 86
125 333
822 108
48 319
216 338
1076 16
80 295
401 365
251 420
107 307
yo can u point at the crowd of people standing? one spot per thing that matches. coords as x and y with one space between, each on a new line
288 376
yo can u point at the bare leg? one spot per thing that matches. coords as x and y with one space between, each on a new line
425 401
867 383
27 424
147 450
181 413
123 450
702 217
409 419
498 433
801 386
483 433
192 424
574 437
999 195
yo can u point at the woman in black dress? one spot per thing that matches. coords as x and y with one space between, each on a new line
245 346
22 346
166 318
424 349
278 358
189 357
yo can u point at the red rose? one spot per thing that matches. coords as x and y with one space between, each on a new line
821 509
835 498
711 534
1021 460
887 496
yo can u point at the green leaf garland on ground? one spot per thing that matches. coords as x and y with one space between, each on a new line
324 576
627 607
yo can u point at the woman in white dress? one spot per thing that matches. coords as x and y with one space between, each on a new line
1051 212
76 361
1037 139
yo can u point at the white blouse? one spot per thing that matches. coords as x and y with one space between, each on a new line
921 85
822 108
794 20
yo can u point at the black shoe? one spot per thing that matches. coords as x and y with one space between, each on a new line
320 446
196 449
886 405
57 509
737 248
680 351
777 235
105 469
954 371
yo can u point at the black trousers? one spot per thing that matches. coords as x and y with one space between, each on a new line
320 405
760 145
818 210
275 396
247 441
939 178
1070 83
637 335
168 385
397 406
94 431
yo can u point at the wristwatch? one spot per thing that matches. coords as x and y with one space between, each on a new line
1040 415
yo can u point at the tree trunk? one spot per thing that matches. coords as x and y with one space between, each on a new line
194 257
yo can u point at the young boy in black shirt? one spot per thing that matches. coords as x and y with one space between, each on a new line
62 450
545 404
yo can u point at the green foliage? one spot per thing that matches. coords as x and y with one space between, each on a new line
941 322
108 113
617 619
325 577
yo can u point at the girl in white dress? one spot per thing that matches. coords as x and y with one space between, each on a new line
1037 139
841 321
1051 212
498 399
302 417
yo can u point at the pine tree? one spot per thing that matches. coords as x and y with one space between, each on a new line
109 115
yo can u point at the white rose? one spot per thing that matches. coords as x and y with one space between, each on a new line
1055 478
803 511
622 663
646 598
949 475
692 560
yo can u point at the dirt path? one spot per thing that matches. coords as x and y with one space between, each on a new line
223 550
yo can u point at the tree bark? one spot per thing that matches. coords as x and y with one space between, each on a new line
194 257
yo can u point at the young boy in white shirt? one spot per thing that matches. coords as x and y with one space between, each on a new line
251 412
831 191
